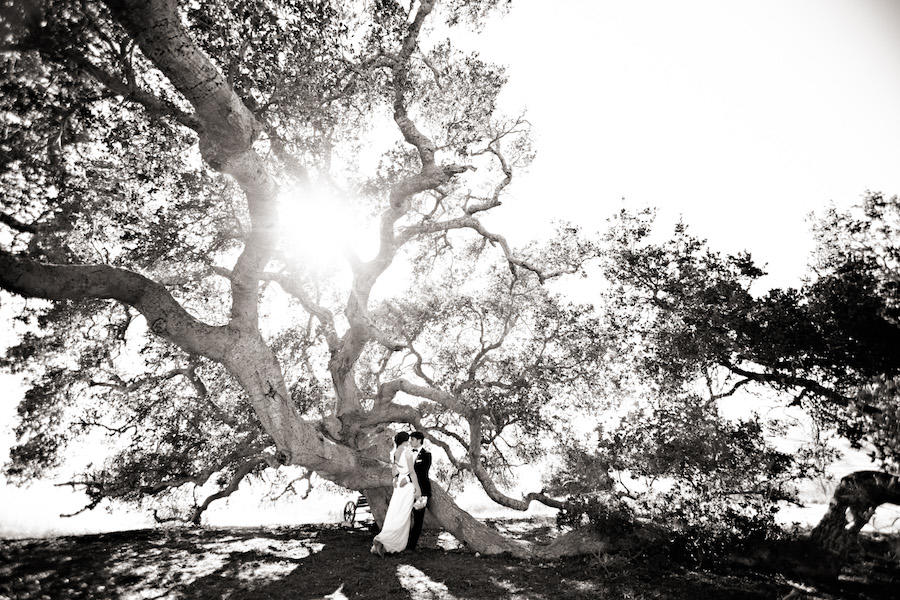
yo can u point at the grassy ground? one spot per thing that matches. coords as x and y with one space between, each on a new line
327 561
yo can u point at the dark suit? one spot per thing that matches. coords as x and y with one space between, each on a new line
422 465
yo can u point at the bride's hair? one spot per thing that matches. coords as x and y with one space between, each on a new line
400 438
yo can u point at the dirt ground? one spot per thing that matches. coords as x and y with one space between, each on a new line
330 561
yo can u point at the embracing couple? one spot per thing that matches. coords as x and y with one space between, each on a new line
402 526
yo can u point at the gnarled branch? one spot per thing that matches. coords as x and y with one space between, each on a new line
165 316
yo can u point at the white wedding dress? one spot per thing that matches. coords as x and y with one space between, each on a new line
395 531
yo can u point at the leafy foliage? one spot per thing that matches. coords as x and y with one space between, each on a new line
690 320
715 483
107 158
697 316
685 440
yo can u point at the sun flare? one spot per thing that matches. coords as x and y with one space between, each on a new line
320 228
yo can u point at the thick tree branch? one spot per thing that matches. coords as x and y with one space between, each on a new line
13 223
165 316
499 497
153 104
229 127
789 380
418 366
411 133
390 389
476 438
227 134
430 177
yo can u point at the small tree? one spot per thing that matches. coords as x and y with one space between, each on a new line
831 346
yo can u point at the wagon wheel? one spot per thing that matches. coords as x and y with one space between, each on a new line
349 512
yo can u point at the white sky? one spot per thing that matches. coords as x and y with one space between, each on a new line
741 116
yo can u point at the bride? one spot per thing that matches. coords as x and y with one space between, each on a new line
395 531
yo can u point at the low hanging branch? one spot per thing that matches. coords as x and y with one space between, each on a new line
290 489
165 316
239 475
98 489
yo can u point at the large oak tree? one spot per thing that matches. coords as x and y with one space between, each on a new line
162 164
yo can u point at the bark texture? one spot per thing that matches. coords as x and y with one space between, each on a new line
853 504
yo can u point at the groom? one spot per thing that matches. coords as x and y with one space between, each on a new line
421 464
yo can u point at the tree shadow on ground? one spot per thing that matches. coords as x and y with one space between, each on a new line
65 567
312 562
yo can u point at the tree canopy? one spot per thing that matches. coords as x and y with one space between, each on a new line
699 333
832 344
198 163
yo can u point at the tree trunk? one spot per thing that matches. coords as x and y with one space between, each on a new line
480 537
378 502
853 504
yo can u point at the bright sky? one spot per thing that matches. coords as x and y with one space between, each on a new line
741 116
